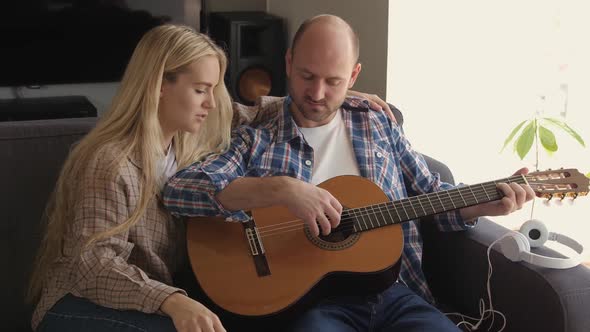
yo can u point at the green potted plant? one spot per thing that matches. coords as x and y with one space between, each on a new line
537 131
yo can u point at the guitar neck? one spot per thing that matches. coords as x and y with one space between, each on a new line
384 214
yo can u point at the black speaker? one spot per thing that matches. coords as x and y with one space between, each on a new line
255 43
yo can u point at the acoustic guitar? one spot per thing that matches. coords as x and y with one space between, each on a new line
272 264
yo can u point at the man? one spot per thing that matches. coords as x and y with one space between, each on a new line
317 134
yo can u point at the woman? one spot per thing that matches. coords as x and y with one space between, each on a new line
107 260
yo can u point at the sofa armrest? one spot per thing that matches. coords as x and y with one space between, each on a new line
32 154
440 168
532 298
397 114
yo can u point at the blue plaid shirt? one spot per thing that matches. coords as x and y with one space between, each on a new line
275 146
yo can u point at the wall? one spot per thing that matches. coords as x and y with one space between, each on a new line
235 5
368 18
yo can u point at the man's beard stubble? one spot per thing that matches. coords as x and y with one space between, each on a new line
310 114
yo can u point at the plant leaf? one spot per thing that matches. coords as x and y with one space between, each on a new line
588 175
525 140
514 131
547 139
567 129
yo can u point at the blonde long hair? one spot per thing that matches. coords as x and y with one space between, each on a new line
131 125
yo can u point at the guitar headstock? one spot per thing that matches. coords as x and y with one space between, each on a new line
559 183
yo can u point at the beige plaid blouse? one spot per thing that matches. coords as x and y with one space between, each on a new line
132 270
129 271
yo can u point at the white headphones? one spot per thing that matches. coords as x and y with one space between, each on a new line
516 246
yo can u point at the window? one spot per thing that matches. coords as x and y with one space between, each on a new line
465 73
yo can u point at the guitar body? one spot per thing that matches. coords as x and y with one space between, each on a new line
272 265
301 267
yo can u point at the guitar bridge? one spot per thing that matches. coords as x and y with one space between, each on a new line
256 248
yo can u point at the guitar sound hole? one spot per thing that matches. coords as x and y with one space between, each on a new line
340 238
337 235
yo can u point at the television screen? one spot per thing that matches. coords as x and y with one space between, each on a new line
60 41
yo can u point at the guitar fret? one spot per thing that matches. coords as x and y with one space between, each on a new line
399 218
430 202
381 215
491 190
442 206
422 206
355 220
355 216
494 190
406 212
359 218
485 191
451 198
377 216
461 195
371 221
363 217
390 216
412 206
472 193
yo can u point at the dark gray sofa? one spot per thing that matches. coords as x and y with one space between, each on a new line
31 154
532 298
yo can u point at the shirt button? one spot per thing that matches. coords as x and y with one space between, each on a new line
308 162
379 155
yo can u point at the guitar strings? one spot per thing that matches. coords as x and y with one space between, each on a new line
456 193
347 224
376 209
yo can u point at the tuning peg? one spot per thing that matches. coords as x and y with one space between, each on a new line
561 196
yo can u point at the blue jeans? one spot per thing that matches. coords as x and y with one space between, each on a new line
395 309
73 313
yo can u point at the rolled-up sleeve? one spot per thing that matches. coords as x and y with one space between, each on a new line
192 191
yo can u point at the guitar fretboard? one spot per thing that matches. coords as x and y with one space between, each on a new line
379 215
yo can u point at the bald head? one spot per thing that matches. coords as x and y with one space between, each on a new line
321 66
327 28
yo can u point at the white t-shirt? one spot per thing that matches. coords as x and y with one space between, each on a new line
333 153
167 166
